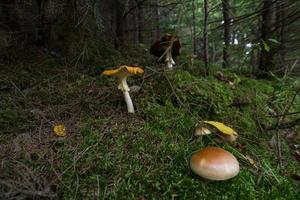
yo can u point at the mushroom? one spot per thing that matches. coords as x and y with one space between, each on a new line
202 131
214 163
168 46
122 73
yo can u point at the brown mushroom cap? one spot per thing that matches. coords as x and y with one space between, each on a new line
214 163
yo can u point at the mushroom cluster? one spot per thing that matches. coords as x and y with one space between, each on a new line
168 47
214 163
123 72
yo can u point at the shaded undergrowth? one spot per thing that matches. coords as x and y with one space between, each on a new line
108 153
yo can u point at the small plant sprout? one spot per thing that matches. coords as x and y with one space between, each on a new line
122 73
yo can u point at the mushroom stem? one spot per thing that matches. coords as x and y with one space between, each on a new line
128 101
169 59
125 89
123 84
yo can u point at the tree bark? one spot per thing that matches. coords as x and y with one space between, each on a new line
120 24
205 36
9 15
194 27
226 25
281 24
266 63
140 24
44 27
157 16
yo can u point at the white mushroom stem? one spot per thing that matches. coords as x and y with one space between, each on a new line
169 59
125 89
128 101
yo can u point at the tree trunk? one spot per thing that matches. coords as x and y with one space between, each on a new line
157 19
194 27
44 27
266 63
225 4
120 25
9 15
281 24
205 37
140 24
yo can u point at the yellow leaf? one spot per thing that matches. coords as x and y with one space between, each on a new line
60 130
222 127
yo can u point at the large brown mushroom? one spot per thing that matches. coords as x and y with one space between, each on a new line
214 163
168 47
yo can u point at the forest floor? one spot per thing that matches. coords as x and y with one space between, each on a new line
110 154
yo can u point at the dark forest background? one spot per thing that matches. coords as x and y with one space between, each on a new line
259 34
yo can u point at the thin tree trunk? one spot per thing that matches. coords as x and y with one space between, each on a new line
194 27
120 25
205 36
157 19
225 4
266 63
281 23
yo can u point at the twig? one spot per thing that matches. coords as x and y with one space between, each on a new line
286 125
280 115
277 127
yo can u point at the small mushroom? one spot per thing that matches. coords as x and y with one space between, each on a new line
202 131
122 73
214 163
167 47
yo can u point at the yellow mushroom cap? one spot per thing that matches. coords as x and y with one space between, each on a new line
123 70
214 163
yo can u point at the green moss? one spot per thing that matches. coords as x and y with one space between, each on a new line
110 154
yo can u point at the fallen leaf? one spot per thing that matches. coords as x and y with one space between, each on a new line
222 127
60 130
